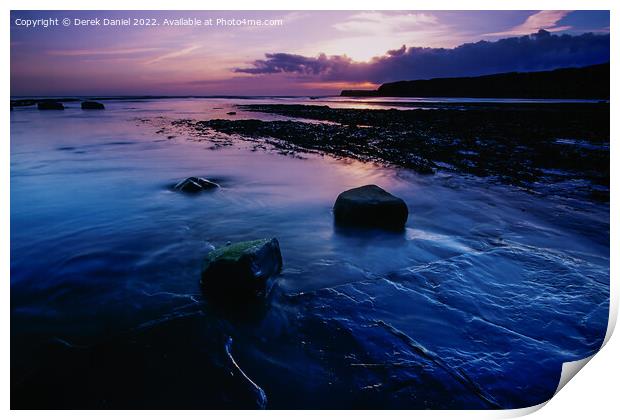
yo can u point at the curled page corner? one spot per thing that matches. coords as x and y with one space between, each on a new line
570 369
613 317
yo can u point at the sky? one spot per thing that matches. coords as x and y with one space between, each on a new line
296 53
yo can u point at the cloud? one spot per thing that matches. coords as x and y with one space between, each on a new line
545 19
174 54
364 35
540 51
98 52
378 22
292 63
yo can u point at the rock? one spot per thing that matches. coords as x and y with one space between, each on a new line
231 113
22 102
195 184
92 105
50 106
242 269
371 206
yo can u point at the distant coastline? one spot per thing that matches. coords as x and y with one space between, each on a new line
591 82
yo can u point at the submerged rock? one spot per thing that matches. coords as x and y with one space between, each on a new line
242 269
231 113
22 102
92 105
195 184
47 106
370 205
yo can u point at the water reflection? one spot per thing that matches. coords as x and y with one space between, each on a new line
497 286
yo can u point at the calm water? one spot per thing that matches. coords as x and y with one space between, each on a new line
475 305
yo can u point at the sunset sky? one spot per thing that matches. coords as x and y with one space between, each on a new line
310 53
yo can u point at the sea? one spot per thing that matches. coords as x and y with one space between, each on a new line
476 304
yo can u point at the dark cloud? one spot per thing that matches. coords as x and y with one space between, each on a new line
540 51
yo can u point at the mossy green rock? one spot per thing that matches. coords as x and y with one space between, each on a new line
242 269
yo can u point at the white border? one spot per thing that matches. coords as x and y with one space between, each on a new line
592 394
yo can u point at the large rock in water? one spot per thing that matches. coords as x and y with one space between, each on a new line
195 184
92 105
241 270
50 106
370 206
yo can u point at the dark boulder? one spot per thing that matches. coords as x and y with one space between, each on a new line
231 113
241 270
50 106
195 184
92 105
370 206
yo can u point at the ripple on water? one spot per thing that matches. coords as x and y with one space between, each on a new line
499 323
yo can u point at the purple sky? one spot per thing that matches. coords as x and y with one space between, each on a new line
310 53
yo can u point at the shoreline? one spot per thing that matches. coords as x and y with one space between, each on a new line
532 146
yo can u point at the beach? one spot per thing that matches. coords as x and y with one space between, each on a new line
500 275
